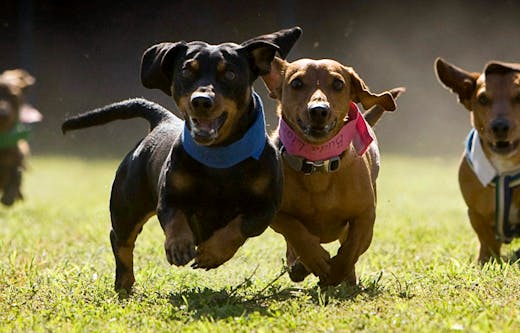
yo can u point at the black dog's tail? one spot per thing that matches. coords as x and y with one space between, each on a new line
130 108
373 114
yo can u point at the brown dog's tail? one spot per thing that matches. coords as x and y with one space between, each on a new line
373 114
130 108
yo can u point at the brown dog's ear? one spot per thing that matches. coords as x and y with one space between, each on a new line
459 81
18 77
157 65
274 79
262 49
361 94
373 114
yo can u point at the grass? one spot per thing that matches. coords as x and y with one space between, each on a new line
56 268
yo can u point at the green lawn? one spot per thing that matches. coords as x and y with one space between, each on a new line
56 268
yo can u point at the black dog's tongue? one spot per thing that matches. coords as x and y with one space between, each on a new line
207 127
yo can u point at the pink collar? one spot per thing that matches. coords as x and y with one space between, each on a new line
356 130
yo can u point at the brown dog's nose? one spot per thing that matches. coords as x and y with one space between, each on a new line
500 128
319 112
202 101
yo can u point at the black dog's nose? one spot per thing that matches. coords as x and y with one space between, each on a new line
319 112
500 128
202 101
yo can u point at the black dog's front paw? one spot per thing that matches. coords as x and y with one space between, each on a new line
180 252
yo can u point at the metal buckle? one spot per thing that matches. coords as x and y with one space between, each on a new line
332 164
309 167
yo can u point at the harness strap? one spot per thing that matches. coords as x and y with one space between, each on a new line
504 185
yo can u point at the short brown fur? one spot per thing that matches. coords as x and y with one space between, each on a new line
488 96
324 207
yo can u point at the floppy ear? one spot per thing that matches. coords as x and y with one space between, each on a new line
157 65
274 79
459 81
18 77
361 94
262 49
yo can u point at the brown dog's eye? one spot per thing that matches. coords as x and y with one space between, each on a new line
229 75
296 83
338 84
483 100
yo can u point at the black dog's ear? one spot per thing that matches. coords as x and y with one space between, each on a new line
459 81
157 65
262 49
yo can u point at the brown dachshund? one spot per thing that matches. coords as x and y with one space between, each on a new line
330 163
15 114
490 167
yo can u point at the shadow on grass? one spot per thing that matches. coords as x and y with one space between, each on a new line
226 303
221 304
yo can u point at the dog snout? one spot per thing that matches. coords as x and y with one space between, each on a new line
202 102
500 128
319 112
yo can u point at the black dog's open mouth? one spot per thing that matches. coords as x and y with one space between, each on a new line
206 130
504 147
316 131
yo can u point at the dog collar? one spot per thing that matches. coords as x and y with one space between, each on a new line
309 158
309 167
250 145
355 131
10 139
503 184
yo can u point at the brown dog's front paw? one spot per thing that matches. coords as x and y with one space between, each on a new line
298 272
339 273
316 260
179 252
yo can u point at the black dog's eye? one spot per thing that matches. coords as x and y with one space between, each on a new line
483 100
517 99
338 84
229 75
296 83
187 73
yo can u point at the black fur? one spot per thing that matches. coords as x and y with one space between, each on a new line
159 176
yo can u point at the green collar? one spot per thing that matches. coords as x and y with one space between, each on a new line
18 132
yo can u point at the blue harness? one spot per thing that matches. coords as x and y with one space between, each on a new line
504 185
250 145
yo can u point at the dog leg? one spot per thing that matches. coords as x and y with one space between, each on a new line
123 243
221 246
357 241
306 246
489 245
12 189
179 244
297 270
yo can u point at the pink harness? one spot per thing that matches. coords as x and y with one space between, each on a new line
356 130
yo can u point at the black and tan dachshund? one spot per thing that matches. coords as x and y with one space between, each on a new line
214 179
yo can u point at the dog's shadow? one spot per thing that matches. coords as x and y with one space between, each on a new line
225 303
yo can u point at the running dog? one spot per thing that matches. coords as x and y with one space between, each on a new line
214 179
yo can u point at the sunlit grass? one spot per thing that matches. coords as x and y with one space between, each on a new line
56 269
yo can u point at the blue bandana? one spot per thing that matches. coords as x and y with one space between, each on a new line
250 145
